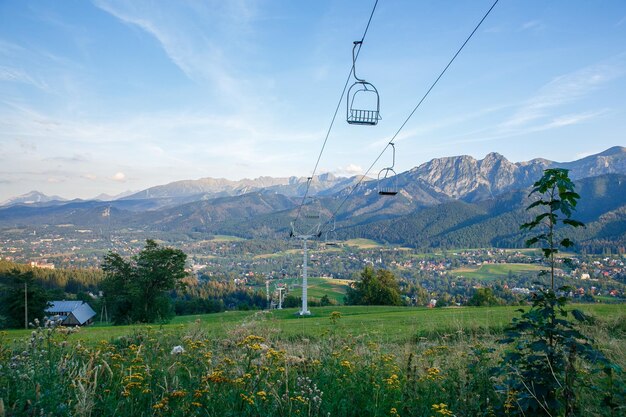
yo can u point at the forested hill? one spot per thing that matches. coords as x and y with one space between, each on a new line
69 280
496 222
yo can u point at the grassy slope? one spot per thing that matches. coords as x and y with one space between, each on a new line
495 271
335 289
362 243
378 323
227 238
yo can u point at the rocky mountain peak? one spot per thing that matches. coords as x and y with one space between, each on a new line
614 151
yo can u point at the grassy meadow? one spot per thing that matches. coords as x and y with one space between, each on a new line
318 287
341 361
496 271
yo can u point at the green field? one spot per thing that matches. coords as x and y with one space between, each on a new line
335 289
496 271
227 238
379 323
362 243
369 361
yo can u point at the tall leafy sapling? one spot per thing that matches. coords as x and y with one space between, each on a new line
557 200
545 347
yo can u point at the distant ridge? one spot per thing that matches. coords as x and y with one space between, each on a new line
32 197
210 203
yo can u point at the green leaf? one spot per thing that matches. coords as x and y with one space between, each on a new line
580 316
574 223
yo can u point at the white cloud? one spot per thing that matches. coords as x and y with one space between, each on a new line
560 91
349 170
532 25
119 177
192 36
19 76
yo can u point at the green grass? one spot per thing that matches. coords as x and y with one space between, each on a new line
379 323
496 271
335 289
227 238
362 243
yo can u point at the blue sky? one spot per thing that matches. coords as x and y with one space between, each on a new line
107 96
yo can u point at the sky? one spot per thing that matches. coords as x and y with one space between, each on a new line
107 96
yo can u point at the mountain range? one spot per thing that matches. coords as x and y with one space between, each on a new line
443 202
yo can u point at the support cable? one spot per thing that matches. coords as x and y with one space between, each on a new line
332 122
355 186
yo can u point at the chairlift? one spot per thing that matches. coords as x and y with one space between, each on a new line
312 209
387 178
363 101
310 220
330 238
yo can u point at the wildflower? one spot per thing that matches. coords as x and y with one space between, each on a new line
252 341
300 398
262 395
275 354
442 409
387 358
215 376
433 374
393 412
177 350
393 381
509 404
161 404
178 393
334 316
346 364
248 399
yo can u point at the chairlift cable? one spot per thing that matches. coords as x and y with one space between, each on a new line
355 186
332 122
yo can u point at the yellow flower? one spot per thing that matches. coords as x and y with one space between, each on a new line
179 393
433 374
215 376
393 412
393 381
442 409
275 354
246 398
262 395
252 341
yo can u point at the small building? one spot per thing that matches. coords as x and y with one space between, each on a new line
72 313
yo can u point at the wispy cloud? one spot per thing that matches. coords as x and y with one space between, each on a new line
192 35
532 25
20 76
560 91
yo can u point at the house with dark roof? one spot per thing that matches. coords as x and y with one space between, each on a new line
71 313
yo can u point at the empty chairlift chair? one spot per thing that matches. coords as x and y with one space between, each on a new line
308 220
331 237
387 178
363 101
